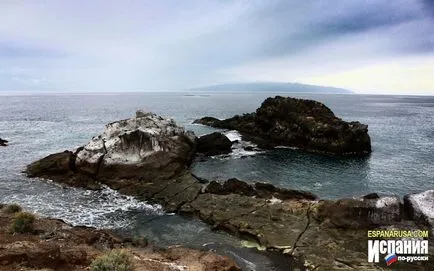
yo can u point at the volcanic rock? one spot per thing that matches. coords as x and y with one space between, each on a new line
305 124
145 148
3 142
213 144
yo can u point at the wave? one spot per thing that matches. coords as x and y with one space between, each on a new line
104 208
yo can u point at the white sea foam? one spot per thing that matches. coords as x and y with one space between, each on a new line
240 152
233 135
239 145
100 209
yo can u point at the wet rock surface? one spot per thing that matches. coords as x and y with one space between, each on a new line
305 124
3 142
213 144
55 245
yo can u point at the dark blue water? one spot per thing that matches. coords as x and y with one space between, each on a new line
401 129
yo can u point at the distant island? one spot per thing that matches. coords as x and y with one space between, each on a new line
273 87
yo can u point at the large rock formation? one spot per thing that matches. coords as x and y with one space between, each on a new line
3 142
305 124
147 147
214 144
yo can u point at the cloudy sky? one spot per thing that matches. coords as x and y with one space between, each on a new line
369 46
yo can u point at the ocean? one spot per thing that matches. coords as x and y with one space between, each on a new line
402 161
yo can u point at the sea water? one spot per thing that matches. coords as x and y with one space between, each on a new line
402 161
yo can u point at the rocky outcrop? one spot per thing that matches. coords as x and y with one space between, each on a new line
213 144
3 142
145 148
55 245
305 124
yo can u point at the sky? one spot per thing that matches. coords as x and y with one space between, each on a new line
368 46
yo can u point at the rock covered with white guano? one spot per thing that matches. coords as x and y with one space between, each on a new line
146 147
137 147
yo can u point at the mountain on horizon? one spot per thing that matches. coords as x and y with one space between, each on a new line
273 86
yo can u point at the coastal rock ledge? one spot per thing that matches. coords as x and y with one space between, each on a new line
305 124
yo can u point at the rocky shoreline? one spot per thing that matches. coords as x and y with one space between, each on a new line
51 244
149 157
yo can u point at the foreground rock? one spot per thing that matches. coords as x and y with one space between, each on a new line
146 148
305 124
54 245
3 142
214 144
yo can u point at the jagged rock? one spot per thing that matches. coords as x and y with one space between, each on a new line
305 124
145 148
420 207
3 142
213 144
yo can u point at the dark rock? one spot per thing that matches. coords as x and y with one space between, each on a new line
305 124
266 190
214 187
214 144
360 213
3 142
52 165
231 186
420 207
249 148
371 196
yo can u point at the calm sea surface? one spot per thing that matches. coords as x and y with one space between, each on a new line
401 129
